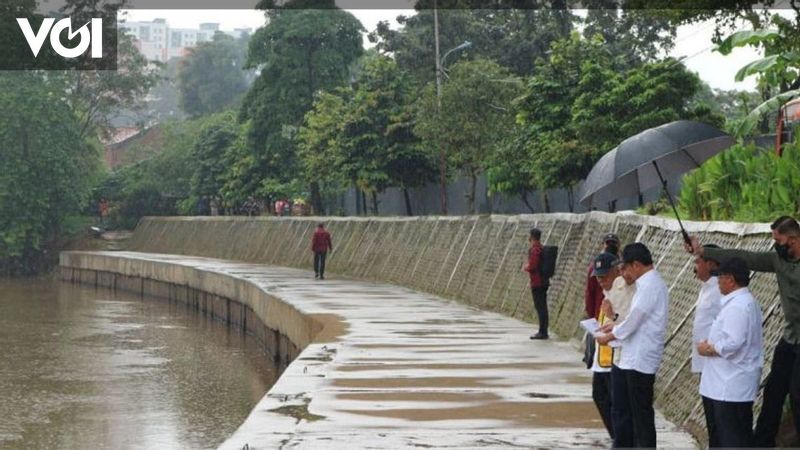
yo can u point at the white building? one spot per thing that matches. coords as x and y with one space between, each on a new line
158 42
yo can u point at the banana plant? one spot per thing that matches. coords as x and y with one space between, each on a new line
778 69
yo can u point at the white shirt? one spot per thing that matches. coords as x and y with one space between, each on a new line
620 296
642 332
736 336
705 311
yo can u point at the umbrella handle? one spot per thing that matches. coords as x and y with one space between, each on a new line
686 237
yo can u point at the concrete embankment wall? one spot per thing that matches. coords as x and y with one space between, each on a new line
477 260
282 330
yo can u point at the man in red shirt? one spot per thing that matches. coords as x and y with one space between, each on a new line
539 285
320 244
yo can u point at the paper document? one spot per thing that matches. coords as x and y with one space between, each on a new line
590 325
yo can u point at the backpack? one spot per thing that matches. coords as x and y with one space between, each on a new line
547 265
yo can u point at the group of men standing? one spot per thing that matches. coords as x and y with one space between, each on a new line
630 300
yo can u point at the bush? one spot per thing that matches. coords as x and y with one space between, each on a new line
744 184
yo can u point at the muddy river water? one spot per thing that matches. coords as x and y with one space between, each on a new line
89 368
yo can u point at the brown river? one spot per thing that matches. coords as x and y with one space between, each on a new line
86 368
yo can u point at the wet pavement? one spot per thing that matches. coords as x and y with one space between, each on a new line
408 369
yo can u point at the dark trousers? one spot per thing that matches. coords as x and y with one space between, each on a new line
601 394
319 263
540 304
634 425
730 424
621 409
783 378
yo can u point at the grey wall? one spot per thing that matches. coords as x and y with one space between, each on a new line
427 201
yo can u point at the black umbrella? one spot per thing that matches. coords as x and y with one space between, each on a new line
649 158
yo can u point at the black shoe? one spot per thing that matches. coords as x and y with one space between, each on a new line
539 336
321 277
316 276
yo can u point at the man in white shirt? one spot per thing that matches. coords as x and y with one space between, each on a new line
734 352
707 307
641 335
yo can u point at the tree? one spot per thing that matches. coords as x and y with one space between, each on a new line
212 154
641 98
299 52
513 37
508 170
580 105
46 169
97 95
778 72
159 182
319 141
474 116
363 135
211 77
632 35
378 139
547 143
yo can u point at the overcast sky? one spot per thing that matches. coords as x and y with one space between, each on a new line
693 41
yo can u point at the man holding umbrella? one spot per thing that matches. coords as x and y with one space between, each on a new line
784 377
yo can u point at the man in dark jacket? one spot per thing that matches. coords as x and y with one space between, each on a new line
784 375
320 244
538 283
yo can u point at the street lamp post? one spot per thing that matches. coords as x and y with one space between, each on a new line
439 73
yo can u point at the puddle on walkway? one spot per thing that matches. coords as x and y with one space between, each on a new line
417 382
521 414
446 366
433 397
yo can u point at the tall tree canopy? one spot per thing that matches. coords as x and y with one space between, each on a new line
299 52
46 169
212 77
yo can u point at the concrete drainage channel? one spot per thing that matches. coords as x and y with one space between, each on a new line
377 365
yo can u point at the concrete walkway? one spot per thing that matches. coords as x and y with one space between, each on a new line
413 370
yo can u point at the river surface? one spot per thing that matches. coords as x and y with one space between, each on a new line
86 368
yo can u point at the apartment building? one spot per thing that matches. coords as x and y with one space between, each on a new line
158 42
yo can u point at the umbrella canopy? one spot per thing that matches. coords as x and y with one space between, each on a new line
645 160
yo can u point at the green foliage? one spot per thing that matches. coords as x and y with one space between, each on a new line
631 35
299 52
363 136
212 77
581 103
97 96
474 117
220 141
778 71
745 185
158 185
46 169
749 123
514 38
733 105
746 37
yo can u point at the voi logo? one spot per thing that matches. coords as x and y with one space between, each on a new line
93 37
